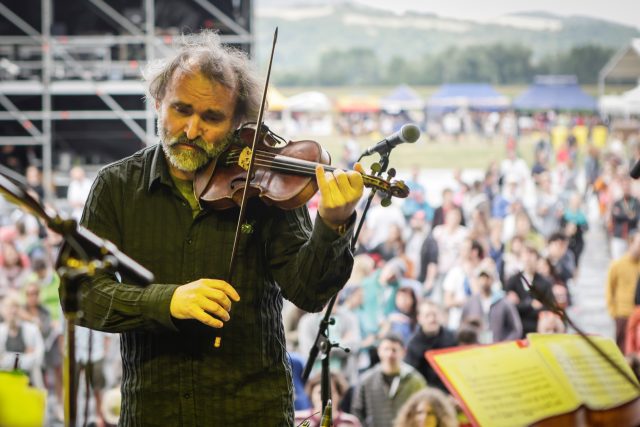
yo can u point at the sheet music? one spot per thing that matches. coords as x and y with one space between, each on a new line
596 383
506 385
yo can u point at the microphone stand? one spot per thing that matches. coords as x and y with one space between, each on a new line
72 271
552 306
322 343
95 255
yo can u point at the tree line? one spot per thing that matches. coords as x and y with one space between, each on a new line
499 64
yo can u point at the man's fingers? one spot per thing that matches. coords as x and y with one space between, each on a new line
324 185
223 286
214 308
218 297
202 316
356 182
358 168
337 198
351 186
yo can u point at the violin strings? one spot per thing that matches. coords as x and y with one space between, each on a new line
267 159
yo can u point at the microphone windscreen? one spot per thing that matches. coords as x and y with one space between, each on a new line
410 133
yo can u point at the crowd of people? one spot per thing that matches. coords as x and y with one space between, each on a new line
426 276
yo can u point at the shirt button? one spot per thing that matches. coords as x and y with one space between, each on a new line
189 241
184 204
186 396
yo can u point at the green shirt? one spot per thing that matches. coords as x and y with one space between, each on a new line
172 374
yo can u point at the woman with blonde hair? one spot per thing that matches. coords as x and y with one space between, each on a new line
428 407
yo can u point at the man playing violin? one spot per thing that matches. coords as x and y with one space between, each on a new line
174 371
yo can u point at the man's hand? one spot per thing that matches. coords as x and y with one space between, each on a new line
339 194
203 298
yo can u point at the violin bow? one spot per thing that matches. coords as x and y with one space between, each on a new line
250 171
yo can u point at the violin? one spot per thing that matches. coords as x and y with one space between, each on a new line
284 176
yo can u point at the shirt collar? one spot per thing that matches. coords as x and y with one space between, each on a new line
159 170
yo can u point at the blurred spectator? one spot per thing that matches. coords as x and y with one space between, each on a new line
14 267
21 344
34 312
403 319
499 317
469 331
513 258
621 286
449 237
416 234
496 246
529 307
78 191
339 387
301 398
387 386
624 218
380 219
428 272
518 223
34 181
513 167
574 221
501 204
632 334
49 281
457 282
561 257
379 299
90 352
428 407
431 335
345 329
447 205
548 208
417 200
392 246
550 323
541 164
592 167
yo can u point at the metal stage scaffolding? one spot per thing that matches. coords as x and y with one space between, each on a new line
75 64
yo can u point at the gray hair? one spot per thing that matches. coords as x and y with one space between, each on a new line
222 64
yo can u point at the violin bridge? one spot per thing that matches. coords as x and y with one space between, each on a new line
245 158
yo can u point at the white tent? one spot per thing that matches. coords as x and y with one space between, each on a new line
308 113
623 67
308 101
621 105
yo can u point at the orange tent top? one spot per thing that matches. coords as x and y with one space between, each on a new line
358 104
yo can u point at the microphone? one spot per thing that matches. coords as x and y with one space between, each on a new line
407 133
635 171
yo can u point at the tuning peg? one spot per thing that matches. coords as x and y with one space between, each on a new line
375 167
386 201
391 173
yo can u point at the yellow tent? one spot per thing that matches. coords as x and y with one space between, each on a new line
276 100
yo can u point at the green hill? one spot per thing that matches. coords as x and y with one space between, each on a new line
308 31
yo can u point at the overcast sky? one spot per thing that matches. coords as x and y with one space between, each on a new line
623 11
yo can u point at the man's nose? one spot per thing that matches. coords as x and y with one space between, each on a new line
192 128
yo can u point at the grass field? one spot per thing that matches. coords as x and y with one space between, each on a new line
334 92
467 153
470 152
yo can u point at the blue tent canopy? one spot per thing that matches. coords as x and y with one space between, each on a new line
401 98
555 93
474 96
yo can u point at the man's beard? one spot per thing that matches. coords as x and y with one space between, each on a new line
190 160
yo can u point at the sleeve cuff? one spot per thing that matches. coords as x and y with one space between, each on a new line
156 302
322 232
